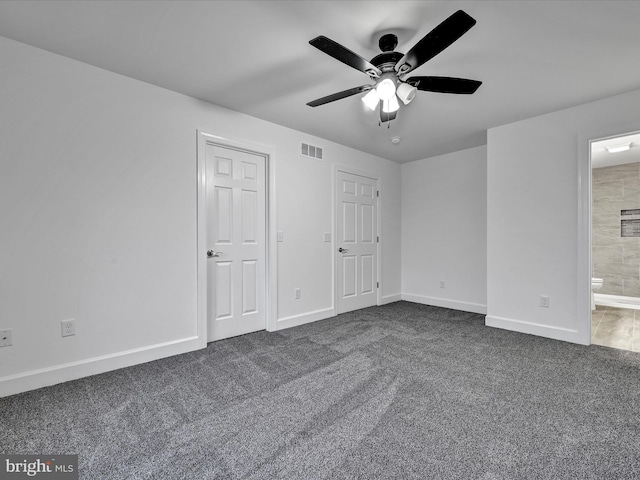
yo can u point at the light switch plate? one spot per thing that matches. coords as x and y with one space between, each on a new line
327 237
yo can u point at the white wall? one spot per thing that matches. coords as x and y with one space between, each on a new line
444 230
537 232
98 215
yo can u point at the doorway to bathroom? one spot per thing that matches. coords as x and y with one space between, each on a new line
615 241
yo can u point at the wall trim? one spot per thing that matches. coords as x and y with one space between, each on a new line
446 303
396 297
548 331
44 377
301 319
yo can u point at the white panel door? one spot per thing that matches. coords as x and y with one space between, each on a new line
357 275
236 239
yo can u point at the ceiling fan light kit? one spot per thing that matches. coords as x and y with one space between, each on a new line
406 92
371 99
386 89
391 105
389 67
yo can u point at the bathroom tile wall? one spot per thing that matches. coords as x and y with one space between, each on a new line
616 259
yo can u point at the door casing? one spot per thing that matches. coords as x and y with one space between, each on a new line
583 281
201 245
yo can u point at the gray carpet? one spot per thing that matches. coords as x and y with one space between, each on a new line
400 391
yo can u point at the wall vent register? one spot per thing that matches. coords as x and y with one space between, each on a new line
310 151
630 223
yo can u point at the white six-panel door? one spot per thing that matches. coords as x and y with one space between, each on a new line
356 241
236 241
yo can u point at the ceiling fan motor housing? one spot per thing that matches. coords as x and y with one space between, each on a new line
386 61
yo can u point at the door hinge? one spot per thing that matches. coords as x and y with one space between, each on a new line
377 193
377 284
378 239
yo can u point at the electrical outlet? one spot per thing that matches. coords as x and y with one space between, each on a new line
296 294
68 327
544 301
441 283
6 337
281 236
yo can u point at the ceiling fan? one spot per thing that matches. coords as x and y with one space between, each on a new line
389 68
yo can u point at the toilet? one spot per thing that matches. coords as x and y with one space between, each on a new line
596 284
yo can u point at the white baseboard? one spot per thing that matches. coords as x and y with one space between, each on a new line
296 320
446 303
556 333
619 301
391 298
44 377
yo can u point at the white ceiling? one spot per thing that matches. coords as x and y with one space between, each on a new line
533 57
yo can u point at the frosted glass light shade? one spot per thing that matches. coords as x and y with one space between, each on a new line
391 105
406 92
371 99
386 89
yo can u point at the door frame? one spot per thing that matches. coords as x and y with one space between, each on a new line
271 279
585 198
372 176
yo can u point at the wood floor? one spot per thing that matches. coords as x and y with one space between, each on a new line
616 327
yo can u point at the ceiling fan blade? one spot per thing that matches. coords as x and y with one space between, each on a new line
445 84
436 41
387 116
345 55
340 95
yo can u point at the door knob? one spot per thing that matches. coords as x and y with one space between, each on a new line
211 254
343 250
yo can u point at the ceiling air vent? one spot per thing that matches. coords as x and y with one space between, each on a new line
310 151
